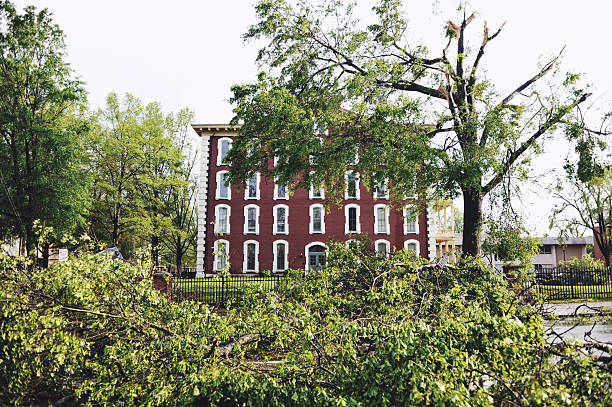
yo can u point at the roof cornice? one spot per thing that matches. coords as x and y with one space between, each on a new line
211 129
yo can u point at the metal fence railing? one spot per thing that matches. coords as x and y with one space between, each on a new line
564 283
217 289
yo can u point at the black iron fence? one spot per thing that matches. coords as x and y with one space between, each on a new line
184 272
218 289
564 283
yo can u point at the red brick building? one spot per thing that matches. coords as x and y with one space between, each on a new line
262 227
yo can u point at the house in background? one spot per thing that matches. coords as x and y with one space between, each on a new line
264 227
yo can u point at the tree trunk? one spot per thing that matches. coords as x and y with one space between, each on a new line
472 222
155 250
179 257
45 255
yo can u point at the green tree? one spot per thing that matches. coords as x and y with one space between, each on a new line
135 162
180 202
41 149
416 118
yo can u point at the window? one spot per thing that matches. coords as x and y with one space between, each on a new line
381 189
412 246
355 159
545 249
223 187
351 219
382 247
223 146
381 219
222 216
221 250
251 220
316 253
281 222
280 191
252 187
411 223
316 191
251 256
280 252
352 185
317 219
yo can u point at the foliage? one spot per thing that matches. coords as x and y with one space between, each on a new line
139 175
585 262
365 331
508 240
42 128
433 120
585 205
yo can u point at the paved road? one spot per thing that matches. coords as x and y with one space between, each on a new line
578 308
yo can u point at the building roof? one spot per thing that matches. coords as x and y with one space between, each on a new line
542 240
203 129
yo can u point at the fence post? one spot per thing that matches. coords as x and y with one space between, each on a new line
572 281
162 281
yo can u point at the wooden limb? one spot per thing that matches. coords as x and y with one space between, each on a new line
514 155
224 351
531 81
485 40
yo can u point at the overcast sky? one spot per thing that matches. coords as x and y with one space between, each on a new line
188 53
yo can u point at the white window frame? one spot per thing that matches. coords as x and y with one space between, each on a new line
349 241
246 188
416 242
229 213
311 191
346 219
219 142
311 223
244 256
387 245
218 191
307 248
276 197
357 189
274 252
246 220
216 252
375 193
416 220
388 226
355 160
275 216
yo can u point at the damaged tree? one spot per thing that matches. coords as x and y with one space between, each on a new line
430 122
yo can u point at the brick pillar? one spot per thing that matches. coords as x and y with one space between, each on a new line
162 281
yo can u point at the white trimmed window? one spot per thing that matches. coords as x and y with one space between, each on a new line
223 190
381 189
411 220
316 256
251 190
251 256
280 250
352 223
317 219
316 191
251 220
352 185
223 147
222 219
412 246
221 251
281 220
280 191
381 220
382 247
355 160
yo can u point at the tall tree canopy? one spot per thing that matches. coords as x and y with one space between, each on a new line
41 152
422 118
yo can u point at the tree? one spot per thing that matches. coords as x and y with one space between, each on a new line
180 202
135 163
434 121
41 149
586 205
